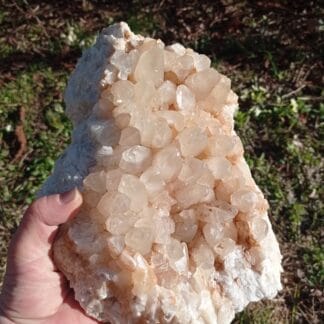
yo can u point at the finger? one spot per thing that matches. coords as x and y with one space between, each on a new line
39 225
30 277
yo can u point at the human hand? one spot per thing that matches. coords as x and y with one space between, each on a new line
34 291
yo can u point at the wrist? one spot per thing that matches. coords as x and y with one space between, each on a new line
4 319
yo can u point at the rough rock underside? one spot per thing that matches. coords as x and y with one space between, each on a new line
173 228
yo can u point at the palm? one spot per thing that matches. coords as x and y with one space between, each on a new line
34 291
49 296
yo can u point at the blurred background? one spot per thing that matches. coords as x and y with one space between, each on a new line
272 52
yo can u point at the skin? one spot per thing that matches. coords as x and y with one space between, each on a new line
34 291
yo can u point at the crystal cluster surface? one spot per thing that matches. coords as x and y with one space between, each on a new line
173 228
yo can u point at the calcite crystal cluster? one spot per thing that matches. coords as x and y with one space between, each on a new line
173 228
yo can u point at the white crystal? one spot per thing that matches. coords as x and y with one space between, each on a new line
161 162
203 256
185 99
172 227
191 194
174 118
192 141
133 188
122 92
150 67
96 181
201 62
186 226
167 92
177 254
105 133
135 159
121 224
139 240
158 223
177 48
183 66
202 83
244 200
169 60
153 181
259 228
220 167
116 245
130 136
124 62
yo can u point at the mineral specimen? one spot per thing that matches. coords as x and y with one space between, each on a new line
173 228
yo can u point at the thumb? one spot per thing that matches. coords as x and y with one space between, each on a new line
34 236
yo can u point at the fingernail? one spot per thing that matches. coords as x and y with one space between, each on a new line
67 196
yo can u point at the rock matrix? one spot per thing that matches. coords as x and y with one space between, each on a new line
173 228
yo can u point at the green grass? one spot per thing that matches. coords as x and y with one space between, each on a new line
283 149
281 129
260 315
46 128
314 260
47 131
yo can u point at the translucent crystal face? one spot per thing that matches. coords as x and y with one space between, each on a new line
173 227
